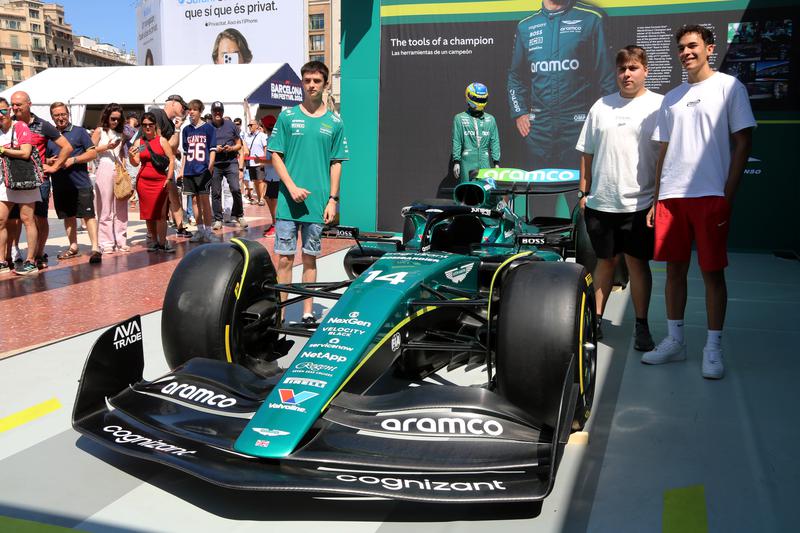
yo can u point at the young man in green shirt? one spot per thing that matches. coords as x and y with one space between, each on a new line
308 146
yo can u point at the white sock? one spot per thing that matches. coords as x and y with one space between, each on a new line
714 339
675 329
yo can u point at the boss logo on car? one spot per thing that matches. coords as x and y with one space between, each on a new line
444 426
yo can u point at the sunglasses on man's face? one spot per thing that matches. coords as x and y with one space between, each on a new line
113 119
4 112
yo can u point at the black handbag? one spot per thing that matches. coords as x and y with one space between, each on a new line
160 162
22 174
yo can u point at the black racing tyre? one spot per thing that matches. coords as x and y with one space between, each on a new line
584 253
200 303
546 315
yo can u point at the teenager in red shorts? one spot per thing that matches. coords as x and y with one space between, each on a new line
705 129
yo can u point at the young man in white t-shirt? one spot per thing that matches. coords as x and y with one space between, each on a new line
705 130
618 167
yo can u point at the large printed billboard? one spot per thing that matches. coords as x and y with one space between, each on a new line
181 32
545 68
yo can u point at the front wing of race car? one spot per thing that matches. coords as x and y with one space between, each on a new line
427 443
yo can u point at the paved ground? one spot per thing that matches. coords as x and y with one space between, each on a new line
668 450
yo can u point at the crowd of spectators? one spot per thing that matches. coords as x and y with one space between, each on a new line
81 166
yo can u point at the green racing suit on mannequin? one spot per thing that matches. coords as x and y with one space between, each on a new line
560 66
476 143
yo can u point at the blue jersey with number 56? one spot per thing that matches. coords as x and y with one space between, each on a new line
198 142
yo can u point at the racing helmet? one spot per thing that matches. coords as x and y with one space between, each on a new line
477 95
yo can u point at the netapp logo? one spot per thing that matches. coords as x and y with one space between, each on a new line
444 426
306 381
126 334
198 394
325 355
394 483
126 437
555 65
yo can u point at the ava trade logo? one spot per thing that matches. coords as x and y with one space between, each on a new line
288 396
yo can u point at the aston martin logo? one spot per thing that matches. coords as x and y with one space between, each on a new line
459 274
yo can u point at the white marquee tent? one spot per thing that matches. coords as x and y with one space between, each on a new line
136 86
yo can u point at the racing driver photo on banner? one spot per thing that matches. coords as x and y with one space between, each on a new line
560 65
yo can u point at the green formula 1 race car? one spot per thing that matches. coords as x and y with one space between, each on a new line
365 408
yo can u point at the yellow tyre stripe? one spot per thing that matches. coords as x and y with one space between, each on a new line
239 286
580 340
228 343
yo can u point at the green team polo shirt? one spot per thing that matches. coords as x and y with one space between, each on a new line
308 145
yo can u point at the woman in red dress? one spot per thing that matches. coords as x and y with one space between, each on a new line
151 183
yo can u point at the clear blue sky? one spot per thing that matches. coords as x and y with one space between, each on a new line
113 21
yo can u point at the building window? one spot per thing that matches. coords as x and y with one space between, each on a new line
33 13
17 74
13 25
14 41
320 58
316 22
16 56
37 28
317 43
37 44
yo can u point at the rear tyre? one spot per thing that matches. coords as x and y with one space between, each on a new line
200 306
546 316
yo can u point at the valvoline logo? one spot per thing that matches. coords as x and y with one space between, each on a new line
290 398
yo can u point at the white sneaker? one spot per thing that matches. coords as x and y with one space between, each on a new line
217 225
669 350
712 363
241 222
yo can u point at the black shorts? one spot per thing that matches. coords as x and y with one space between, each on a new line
197 184
39 208
71 201
272 189
612 233
256 173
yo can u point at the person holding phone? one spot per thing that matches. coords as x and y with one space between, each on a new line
151 183
112 214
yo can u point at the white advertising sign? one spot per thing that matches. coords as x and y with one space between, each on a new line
223 31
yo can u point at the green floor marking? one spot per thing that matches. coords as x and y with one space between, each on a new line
685 510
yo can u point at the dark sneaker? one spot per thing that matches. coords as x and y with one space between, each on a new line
309 320
643 341
41 262
96 257
183 232
26 269
167 248
4 267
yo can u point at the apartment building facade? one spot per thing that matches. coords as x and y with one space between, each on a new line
34 35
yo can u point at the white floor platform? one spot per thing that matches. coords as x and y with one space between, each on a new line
665 445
